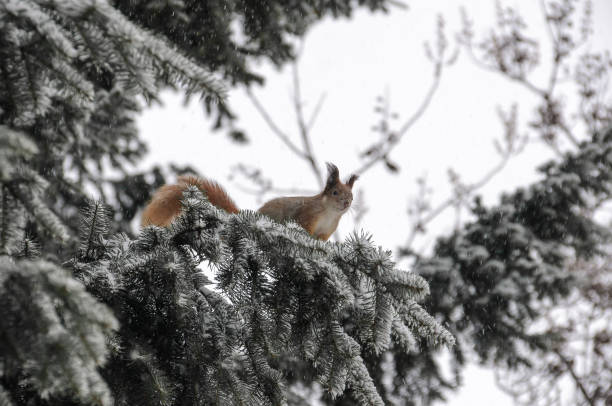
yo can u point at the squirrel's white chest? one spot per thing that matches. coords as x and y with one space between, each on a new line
327 223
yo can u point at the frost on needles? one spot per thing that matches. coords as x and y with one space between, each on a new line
135 321
281 296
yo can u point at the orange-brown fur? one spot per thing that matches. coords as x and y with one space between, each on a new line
318 214
166 203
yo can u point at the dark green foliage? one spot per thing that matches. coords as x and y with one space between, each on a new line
499 274
72 71
72 74
513 256
132 192
492 279
94 223
138 322
226 35
53 335
281 296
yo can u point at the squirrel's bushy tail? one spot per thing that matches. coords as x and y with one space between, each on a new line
166 202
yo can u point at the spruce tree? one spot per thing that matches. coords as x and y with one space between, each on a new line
91 315
495 278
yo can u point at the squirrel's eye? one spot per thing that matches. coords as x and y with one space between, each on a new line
335 192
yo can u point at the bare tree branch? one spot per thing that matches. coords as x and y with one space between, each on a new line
568 133
395 138
570 368
305 151
275 129
303 128
420 224
380 151
560 52
552 80
316 111
511 145
491 68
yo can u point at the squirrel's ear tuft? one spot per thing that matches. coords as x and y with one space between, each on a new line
352 180
333 175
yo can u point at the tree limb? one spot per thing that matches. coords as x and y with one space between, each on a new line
275 129
395 138
304 133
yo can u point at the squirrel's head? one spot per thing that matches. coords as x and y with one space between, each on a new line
338 193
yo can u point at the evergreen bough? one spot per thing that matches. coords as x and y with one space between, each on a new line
497 276
281 296
135 320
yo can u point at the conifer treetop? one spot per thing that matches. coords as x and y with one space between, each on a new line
280 296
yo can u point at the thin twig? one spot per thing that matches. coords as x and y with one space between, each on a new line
316 111
552 80
568 133
575 377
424 104
306 151
557 59
454 199
519 79
407 125
275 129
305 135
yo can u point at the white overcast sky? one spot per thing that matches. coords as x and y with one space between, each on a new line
352 62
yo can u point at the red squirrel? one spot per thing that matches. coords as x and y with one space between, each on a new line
318 214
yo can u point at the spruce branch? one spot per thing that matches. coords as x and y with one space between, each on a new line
29 195
509 267
95 220
54 331
282 294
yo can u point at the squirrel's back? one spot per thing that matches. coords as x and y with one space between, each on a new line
318 215
166 202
